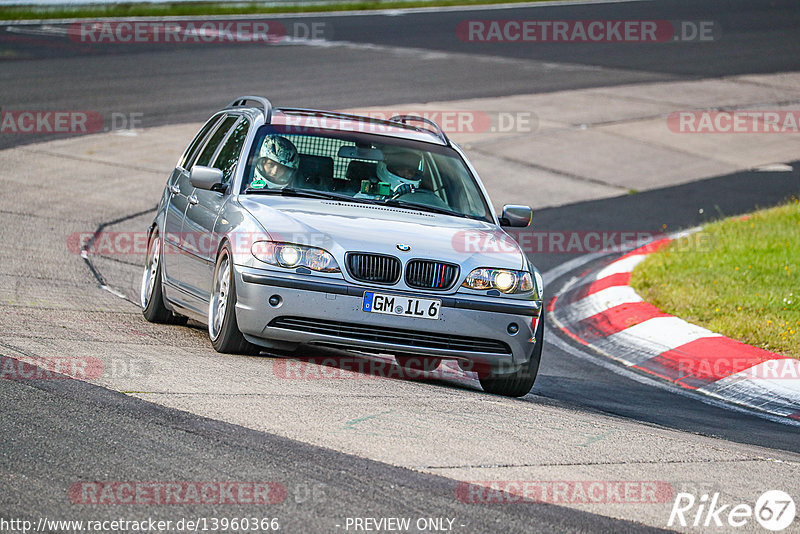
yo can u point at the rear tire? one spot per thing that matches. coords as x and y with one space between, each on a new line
519 383
223 330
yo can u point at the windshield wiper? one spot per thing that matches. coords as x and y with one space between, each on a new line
326 195
307 193
423 207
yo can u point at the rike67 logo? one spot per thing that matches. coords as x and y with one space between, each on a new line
774 510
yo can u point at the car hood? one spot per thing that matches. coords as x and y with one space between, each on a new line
341 227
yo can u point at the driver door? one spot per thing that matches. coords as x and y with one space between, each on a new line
202 215
179 191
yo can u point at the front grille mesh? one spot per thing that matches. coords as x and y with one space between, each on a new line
428 274
395 336
374 268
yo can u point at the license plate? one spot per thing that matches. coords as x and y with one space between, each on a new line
400 305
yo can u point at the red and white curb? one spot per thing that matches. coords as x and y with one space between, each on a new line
600 310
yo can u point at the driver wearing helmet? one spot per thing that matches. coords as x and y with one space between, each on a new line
276 164
401 170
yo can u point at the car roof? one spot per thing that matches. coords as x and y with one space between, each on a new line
403 126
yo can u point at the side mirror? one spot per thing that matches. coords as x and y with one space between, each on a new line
516 216
207 178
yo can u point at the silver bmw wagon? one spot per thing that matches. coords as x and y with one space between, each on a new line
283 228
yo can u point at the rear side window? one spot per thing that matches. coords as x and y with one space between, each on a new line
216 138
229 153
186 160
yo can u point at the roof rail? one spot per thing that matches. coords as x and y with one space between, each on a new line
403 119
266 104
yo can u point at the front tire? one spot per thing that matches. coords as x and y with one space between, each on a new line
519 383
223 330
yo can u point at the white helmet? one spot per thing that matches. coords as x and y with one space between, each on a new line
400 167
277 162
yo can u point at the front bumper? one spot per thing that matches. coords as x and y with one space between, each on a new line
325 311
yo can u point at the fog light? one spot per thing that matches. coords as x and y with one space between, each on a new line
275 301
513 328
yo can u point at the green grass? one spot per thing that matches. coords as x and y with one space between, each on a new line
739 277
146 9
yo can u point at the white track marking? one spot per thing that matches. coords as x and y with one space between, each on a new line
399 51
385 12
606 362
599 302
660 334
625 265
773 385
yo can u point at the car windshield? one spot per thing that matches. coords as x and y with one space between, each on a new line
362 167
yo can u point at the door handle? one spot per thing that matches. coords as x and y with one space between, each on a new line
193 200
174 189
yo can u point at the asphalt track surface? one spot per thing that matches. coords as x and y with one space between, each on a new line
135 440
123 438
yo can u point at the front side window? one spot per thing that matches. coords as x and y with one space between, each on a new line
229 153
216 138
363 167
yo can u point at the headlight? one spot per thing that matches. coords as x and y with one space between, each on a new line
290 256
539 284
503 280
